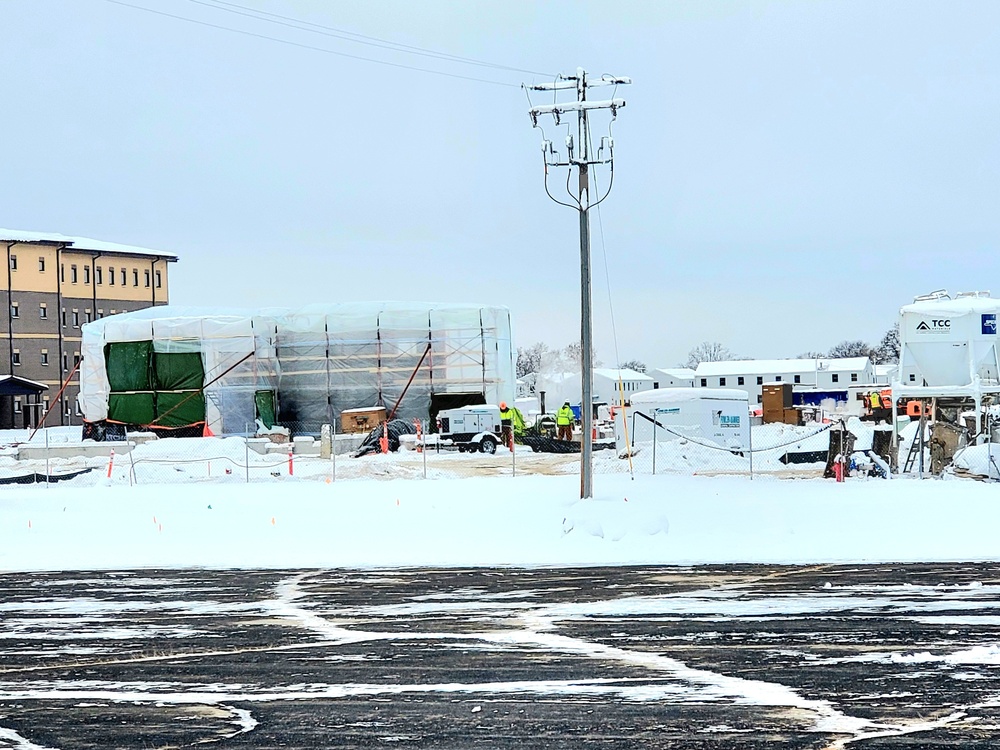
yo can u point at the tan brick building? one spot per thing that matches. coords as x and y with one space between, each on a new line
53 285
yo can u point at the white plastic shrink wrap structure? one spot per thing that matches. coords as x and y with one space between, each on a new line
318 360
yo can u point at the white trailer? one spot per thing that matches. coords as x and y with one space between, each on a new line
471 428
714 415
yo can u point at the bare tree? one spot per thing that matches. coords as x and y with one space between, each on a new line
812 355
851 349
530 359
573 352
634 364
707 351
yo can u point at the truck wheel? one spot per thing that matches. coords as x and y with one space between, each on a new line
488 445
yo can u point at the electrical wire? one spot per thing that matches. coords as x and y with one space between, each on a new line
351 36
309 46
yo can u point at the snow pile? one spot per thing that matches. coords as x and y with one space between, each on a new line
981 460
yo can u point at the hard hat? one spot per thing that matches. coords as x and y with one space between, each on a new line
503 405
565 403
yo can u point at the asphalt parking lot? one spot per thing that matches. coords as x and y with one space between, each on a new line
707 657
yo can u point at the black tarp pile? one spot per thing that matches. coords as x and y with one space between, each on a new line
36 478
394 428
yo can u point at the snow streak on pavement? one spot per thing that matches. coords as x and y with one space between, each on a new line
706 655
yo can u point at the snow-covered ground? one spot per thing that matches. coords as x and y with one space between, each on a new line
507 521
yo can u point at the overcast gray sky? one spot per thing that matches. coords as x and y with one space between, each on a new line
787 173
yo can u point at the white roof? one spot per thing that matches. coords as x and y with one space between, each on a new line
680 395
626 374
79 243
681 373
779 366
844 364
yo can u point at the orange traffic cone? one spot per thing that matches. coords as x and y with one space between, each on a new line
207 431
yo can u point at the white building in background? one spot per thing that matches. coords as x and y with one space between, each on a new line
751 375
672 377
566 386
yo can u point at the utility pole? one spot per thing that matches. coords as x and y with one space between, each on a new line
579 154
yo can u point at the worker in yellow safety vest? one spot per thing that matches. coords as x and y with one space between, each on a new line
507 425
564 421
875 399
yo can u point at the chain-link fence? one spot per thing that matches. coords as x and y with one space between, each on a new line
292 452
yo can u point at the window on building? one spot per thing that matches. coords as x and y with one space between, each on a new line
73 278
760 399
78 412
87 316
62 272
45 357
100 313
835 378
704 382
45 404
777 378
86 274
722 381
62 317
13 263
41 264
67 408
17 405
798 378
656 386
913 378
111 275
76 318
159 280
16 356
146 273
854 377
43 311
14 312
113 311
65 359
739 380
760 380
124 273
99 275
135 277
76 358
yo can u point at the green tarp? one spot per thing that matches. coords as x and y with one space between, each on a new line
179 408
264 401
131 408
176 378
178 371
128 365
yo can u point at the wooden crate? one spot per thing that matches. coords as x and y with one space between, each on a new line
364 419
793 416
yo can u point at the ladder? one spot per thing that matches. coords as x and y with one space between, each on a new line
916 448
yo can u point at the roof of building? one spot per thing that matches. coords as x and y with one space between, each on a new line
612 373
14 385
79 243
780 366
681 373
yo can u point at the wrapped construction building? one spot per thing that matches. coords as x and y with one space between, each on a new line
181 369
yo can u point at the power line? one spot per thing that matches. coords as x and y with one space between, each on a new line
309 46
351 36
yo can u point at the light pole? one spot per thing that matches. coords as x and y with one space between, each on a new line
578 154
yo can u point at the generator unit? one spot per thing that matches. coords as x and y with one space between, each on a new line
471 428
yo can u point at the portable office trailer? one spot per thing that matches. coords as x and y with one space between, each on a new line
173 367
715 415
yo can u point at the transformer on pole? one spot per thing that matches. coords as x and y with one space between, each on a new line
579 154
